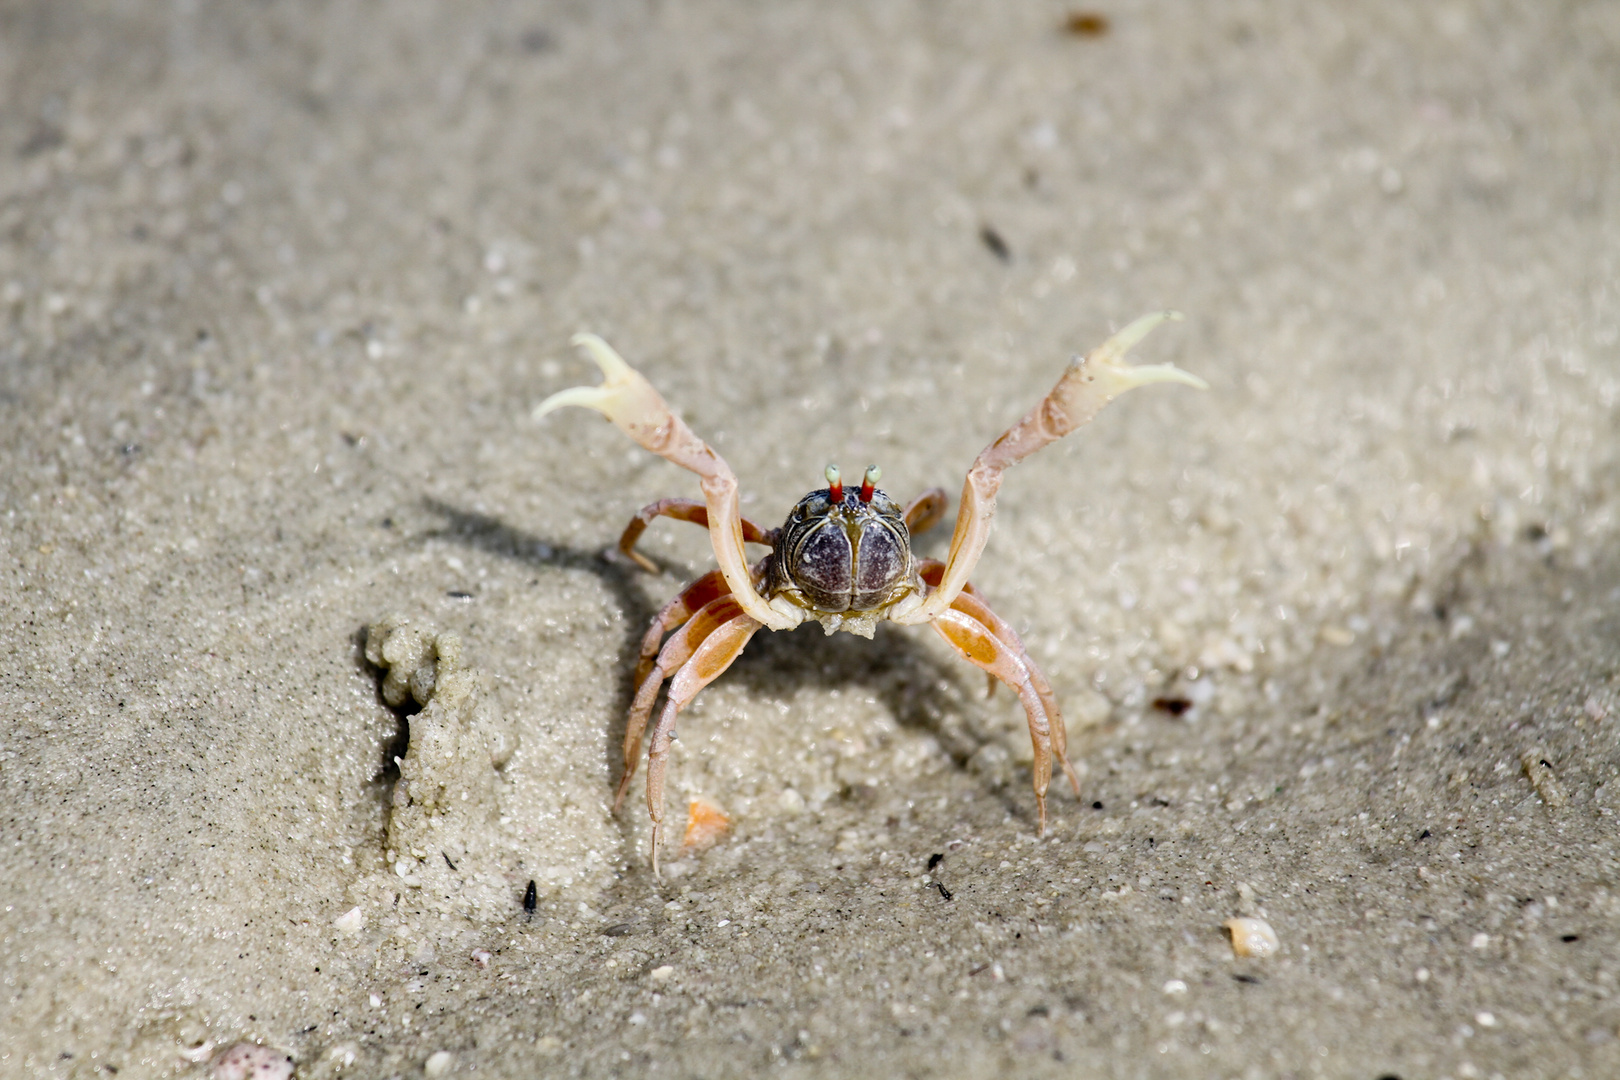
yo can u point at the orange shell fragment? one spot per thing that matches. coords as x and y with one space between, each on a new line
706 825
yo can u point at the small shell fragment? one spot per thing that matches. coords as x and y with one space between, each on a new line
350 922
706 825
199 1053
1539 771
482 957
1252 937
249 1061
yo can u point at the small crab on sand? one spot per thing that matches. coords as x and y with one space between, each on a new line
843 557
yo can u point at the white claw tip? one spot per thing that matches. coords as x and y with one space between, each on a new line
616 375
1122 377
612 364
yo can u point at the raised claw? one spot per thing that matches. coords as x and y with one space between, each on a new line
1107 361
629 400
1088 384
625 396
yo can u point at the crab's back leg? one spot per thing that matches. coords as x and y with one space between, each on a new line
629 400
693 615
659 658
974 606
971 603
982 647
685 604
925 511
709 660
1089 383
681 510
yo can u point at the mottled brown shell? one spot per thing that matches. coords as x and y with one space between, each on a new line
845 555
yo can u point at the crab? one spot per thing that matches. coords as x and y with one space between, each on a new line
842 558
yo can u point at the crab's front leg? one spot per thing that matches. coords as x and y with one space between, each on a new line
629 400
1089 383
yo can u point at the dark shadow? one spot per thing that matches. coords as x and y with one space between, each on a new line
397 744
490 534
494 536
913 684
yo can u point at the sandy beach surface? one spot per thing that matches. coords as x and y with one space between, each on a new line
1337 641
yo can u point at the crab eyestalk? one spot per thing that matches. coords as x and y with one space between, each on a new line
869 482
835 484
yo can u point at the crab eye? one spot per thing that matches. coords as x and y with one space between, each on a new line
835 484
869 482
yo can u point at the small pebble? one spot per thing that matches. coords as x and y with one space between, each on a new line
1252 937
249 1061
1337 635
438 1063
661 974
1175 986
1539 771
350 922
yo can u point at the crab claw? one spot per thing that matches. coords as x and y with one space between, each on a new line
1087 385
629 400
625 396
1114 376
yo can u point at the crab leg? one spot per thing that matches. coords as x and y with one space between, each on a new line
681 510
972 604
722 645
982 647
693 600
1089 383
685 604
925 511
975 607
629 400
714 605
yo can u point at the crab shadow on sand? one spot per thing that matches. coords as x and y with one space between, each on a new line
920 690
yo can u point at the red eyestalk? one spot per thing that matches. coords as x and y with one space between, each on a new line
835 484
869 482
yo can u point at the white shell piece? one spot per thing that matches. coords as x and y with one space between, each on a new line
1252 937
